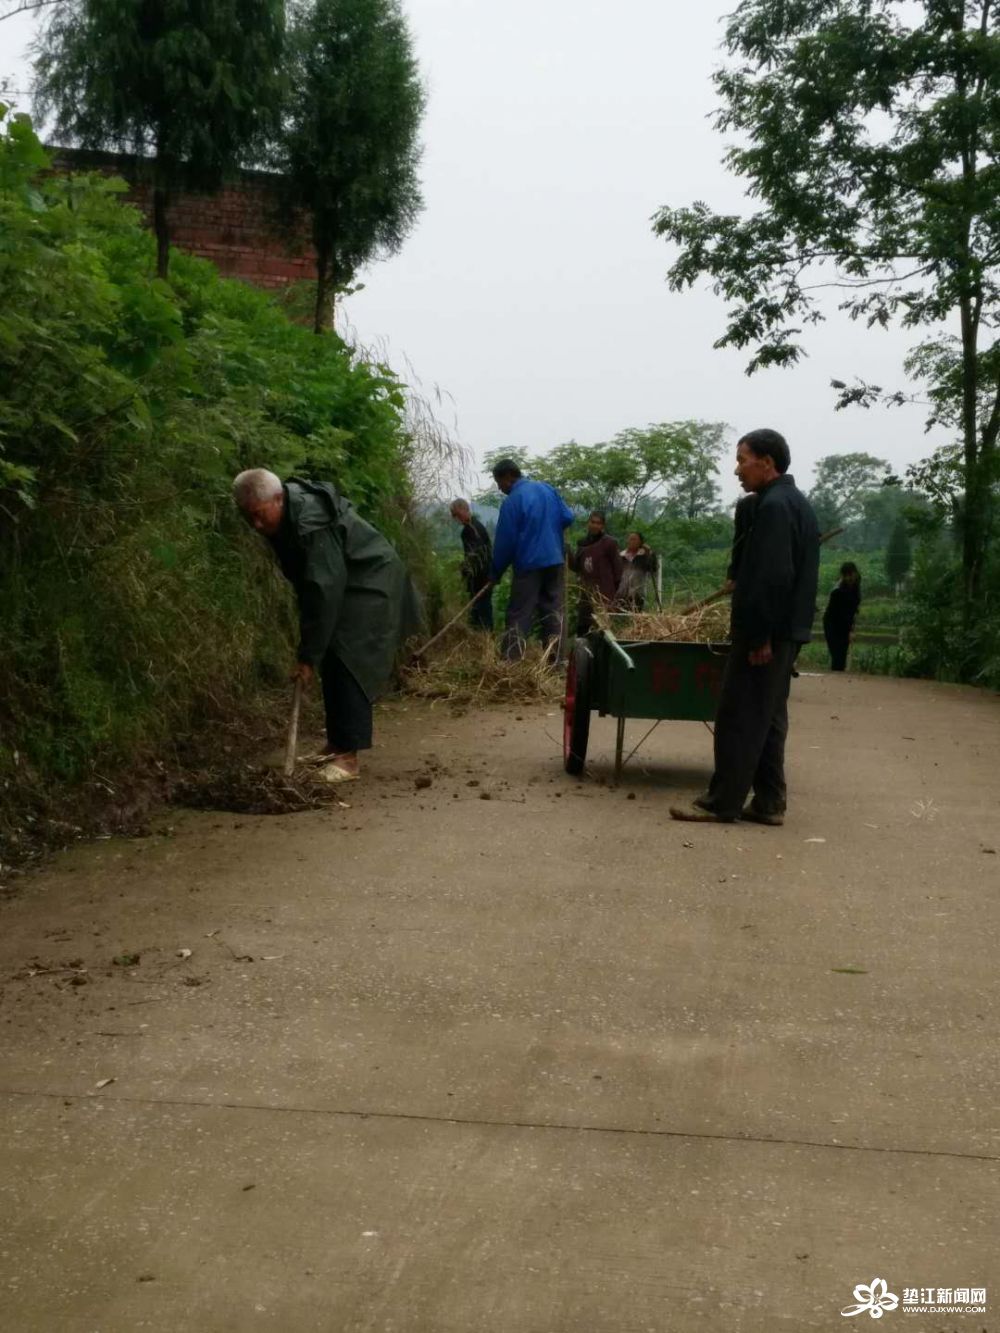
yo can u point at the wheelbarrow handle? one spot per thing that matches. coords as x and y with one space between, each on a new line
616 647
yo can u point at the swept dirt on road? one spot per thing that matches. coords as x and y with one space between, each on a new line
542 1061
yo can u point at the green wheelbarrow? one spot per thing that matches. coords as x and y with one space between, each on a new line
656 680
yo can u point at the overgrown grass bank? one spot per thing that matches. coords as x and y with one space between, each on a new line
132 601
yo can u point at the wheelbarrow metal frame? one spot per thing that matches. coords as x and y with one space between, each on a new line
656 680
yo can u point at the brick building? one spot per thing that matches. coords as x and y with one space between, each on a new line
237 228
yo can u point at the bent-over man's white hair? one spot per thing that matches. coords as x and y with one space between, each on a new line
255 484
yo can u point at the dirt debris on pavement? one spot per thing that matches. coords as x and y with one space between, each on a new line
214 766
569 1037
252 789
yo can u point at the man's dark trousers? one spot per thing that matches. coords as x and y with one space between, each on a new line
536 592
348 708
751 724
481 613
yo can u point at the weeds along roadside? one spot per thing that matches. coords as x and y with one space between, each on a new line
136 608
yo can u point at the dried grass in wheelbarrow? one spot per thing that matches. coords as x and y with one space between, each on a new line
671 624
473 672
251 789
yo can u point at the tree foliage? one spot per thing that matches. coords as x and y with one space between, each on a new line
842 484
663 469
899 553
349 149
880 510
869 135
190 87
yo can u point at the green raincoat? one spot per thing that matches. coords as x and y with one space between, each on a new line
354 593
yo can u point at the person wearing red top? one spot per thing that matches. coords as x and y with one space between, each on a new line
597 563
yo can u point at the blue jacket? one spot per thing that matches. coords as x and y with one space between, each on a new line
530 529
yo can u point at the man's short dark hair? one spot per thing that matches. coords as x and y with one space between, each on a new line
506 468
768 443
599 513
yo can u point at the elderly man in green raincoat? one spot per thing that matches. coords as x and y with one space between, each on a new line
356 602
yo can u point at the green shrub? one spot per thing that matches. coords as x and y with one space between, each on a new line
938 639
133 600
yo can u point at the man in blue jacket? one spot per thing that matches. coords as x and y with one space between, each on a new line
529 536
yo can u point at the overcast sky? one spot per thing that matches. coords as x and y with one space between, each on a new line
533 291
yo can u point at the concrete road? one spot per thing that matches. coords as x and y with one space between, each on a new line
541 1063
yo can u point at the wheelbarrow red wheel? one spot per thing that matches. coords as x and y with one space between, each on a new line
576 709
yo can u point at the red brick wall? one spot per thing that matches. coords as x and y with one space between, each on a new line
235 229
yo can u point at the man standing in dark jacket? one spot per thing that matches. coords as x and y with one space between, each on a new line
773 605
478 555
742 523
356 602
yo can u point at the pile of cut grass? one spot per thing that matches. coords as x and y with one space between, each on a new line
471 671
671 624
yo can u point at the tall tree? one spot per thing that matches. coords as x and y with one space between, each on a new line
899 553
690 488
668 468
191 87
881 509
869 132
843 482
350 148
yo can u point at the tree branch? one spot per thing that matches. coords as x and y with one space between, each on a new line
992 427
869 282
26 6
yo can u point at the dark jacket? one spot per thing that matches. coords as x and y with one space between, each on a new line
775 595
354 593
742 523
598 564
842 608
478 554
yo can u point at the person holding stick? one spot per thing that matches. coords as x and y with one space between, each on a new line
774 599
529 536
478 554
356 602
742 523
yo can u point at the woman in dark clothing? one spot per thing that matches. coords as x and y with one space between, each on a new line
840 615
597 563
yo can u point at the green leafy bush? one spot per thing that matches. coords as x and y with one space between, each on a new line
131 596
939 638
